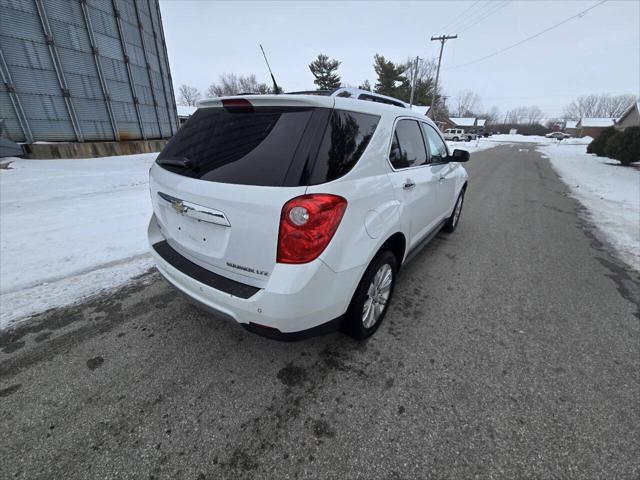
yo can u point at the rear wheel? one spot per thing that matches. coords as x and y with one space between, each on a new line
455 139
372 297
454 219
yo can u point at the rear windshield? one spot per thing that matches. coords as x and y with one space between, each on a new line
268 146
249 148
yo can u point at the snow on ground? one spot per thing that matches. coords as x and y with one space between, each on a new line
69 229
611 194
472 146
72 228
517 138
494 140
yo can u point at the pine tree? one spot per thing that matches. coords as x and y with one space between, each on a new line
388 74
324 70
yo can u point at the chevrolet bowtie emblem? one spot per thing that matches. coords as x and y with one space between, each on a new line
178 206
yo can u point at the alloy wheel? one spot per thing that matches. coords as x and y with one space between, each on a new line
377 296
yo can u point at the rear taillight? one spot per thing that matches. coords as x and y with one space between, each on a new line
307 225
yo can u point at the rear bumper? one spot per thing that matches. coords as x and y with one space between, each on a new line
297 301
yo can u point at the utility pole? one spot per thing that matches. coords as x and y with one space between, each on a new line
442 39
414 77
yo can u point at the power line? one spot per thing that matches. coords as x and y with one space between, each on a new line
455 19
488 13
486 9
550 95
582 13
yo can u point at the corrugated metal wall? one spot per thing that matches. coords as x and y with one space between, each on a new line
84 70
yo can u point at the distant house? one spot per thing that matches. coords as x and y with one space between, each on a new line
466 123
630 118
571 127
184 112
592 127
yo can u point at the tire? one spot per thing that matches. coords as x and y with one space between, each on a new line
454 219
354 324
455 139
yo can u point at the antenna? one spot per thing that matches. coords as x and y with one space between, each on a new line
276 89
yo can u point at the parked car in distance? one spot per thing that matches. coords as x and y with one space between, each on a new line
458 135
292 214
482 133
558 135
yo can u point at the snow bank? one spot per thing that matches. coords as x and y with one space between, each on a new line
69 229
577 141
517 138
610 193
472 146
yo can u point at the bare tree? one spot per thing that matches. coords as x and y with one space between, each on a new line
426 69
525 115
517 115
615 106
249 84
188 95
232 84
493 115
422 74
365 85
466 103
534 115
553 123
602 105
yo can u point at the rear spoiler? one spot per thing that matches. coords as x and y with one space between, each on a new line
272 101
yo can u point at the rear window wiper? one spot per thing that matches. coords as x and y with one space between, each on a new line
182 162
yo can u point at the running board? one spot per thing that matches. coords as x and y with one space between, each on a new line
423 243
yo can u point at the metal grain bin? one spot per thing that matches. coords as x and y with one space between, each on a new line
84 70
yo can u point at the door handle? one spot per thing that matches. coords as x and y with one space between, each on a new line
408 184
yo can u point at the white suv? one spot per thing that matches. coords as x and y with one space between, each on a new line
291 214
458 134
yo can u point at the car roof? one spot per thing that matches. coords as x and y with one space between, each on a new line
376 108
322 101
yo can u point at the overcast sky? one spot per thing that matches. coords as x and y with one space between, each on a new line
596 53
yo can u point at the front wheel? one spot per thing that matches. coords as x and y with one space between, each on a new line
372 297
454 219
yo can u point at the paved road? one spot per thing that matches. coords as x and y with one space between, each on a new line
511 351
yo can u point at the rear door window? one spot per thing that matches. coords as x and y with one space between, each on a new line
407 146
437 147
254 147
345 139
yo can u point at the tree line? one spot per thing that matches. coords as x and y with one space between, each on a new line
395 79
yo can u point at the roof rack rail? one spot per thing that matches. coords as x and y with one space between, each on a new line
355 93
324 93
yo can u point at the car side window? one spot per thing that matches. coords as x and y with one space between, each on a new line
437 147
407 146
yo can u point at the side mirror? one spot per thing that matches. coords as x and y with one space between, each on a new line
459 156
